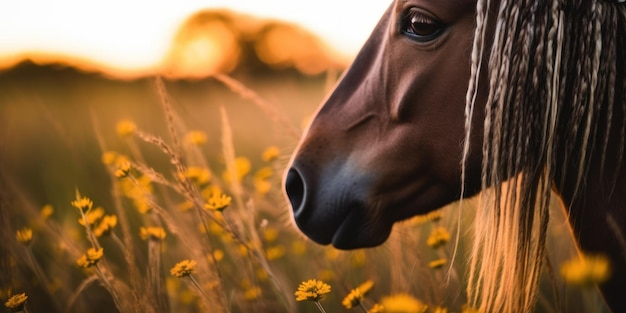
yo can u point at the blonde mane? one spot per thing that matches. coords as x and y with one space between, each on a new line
551 71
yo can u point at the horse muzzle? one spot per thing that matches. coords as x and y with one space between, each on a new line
337 211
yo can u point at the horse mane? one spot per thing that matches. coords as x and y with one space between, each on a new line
556 73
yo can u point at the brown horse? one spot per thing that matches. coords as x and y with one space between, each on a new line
448 98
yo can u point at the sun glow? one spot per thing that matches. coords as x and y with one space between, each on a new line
136 37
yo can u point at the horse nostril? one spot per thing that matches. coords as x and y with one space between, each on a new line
294 185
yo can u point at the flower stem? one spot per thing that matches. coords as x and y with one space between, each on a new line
320 307
109 287
200 290
362 307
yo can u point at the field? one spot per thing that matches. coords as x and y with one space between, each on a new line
149 173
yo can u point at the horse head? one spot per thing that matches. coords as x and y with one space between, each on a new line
386 144
447 98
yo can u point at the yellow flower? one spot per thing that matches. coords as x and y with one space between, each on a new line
252 293
123 170
377 308
46 211
16 303
270 154
242 168
356 295
106 225
196 137
262 183
402 303
108 157
586 270
198 175
436 264
433 216
312 290
438 237
353 298
183 268
270 234
358 258
298 247
439 309
185 206
154 233
24 235
366 286
125 128
90 258
218 202
218 255
275 252
92 216
84 204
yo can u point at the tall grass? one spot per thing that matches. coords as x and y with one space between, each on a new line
206 229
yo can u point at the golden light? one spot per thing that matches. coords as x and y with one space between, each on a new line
128 39
202 47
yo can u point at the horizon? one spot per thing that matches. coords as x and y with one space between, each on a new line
69 32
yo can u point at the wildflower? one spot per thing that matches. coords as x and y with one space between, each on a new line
153 233
218 202
312 290
123 170
436 264
356 295
84 204
358 258
354 298
185 206
198 175
298 247
196 137
438 237
92 216
262 184
270 234
275 252
439 309
252 293
24 236
262 274
106 225
377 308
403 303
366 286
270 154
183 268
46 211
90 258
586 270
108 157
218 255
16 303
326 275
126 128
242 168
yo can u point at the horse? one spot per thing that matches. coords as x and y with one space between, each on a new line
450 98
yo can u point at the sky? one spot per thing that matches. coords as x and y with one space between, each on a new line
135 34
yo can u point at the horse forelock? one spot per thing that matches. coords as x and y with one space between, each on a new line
555 75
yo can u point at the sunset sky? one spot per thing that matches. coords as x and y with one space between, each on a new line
135 35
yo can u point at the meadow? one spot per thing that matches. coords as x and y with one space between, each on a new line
153 195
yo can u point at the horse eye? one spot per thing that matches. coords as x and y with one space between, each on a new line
420 27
